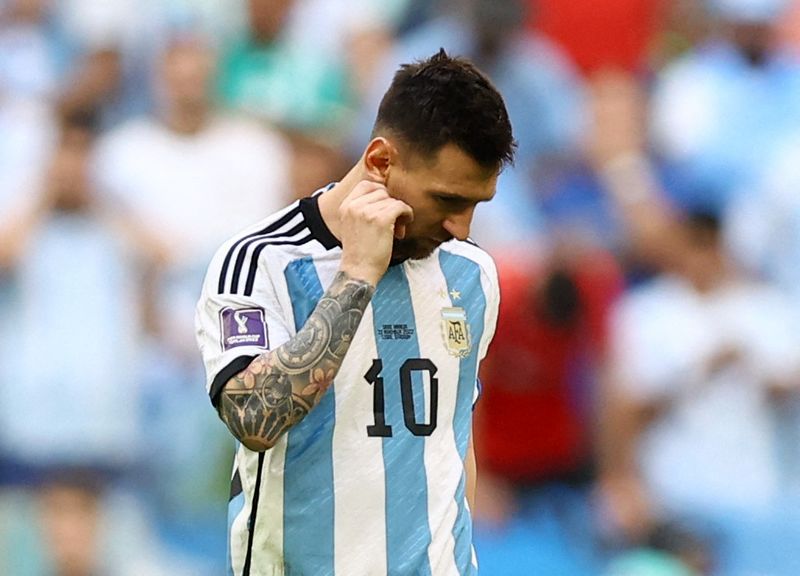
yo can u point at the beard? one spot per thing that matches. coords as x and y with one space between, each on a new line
414 248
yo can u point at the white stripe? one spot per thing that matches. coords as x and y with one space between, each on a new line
254 244
268 538
260 225
238 535
443 465
358 471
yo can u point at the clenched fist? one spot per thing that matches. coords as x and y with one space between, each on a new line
370 221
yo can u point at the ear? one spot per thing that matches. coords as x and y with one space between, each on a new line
378 158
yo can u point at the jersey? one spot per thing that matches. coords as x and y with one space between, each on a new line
372 481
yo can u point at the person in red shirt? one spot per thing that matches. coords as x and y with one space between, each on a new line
535 417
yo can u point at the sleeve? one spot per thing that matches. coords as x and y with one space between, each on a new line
232 329
658 344
491 286
774 343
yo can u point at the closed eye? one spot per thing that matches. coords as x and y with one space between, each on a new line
452 202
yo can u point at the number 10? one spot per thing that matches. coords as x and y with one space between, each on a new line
380 428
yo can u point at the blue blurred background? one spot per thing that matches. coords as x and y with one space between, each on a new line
641 406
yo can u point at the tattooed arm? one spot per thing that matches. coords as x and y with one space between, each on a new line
281 386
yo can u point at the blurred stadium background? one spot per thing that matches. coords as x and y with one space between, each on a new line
641 403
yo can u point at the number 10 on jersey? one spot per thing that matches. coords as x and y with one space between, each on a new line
373 376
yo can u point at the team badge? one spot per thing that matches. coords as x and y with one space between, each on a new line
456 331
245 327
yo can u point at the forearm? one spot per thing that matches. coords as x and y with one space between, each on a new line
16 231
281 386
471 468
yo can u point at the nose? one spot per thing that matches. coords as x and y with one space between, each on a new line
458 224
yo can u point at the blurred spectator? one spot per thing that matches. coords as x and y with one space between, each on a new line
74 522
542 93
617 34
314 162
736 93
94 88
226 170
617 151
194 175
30 66
69 512
536 418
72 260
763 225
700 354
29 76
288 83
763 231
28 134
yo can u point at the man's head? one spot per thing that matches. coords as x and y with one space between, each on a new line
186 72
751 26
441 137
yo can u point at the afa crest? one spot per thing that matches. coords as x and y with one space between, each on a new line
455 330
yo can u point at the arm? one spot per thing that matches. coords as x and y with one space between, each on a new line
623 420
617 149
17 231
471 470
281 386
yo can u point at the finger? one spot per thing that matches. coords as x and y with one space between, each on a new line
362 196
401 225
391 212
364 188
367 199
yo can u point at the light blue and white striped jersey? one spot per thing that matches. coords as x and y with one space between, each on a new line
372 481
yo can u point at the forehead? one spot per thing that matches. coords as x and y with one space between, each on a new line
453 171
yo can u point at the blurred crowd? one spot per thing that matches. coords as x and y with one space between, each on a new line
640 412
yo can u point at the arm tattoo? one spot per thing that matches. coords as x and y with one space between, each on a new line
281 386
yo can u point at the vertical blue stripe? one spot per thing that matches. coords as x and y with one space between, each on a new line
407 530
464 276
235 507
308 504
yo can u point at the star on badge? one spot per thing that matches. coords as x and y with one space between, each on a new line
455 294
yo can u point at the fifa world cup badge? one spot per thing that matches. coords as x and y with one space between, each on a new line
455 330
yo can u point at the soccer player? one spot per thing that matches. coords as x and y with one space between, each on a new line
342 338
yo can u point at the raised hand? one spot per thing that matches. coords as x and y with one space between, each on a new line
370 221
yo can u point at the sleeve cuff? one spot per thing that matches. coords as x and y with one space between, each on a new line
232 369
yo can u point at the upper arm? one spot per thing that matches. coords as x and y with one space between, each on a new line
232 329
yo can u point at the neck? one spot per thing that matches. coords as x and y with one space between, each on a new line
185 121
710 279
330 201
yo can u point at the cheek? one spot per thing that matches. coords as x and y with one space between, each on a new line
424 226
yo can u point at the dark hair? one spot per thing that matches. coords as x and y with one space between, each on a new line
447 100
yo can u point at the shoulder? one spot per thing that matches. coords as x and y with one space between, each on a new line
133 132
268 246
471 252
247 130
657 302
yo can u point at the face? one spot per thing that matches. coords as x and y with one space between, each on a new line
70 518
267 17
187 74
443 192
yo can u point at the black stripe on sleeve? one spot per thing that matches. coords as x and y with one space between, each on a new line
253 268
232 369
251 524
279 223
237 269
